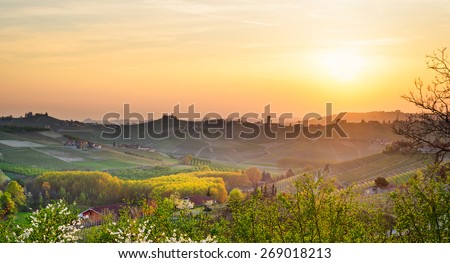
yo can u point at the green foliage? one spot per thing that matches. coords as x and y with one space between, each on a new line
16 192
93 188
232 179
7 230
184 184
422 209
55 223
147 172
20 169
317 212
235 197
156 225
7 205
3 178
98 187
31 160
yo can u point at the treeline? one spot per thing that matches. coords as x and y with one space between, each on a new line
19 129
97 188
183 184
231 179
147 172
12 199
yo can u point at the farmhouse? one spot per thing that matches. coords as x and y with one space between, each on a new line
96 214
199 200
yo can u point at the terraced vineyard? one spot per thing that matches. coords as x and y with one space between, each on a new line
396 180
396 168
371 167
200 163
34 158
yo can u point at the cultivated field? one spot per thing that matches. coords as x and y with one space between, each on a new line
19 144
396 168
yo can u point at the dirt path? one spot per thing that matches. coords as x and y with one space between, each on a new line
56 157
204 147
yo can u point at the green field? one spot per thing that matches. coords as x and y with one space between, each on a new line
53 155
35 159
3 177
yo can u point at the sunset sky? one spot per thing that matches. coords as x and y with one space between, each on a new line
76 59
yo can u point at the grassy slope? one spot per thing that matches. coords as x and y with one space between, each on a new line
240 151
3 177
54 156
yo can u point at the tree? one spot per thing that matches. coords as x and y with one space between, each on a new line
187 159
55 223
46 188
62 193
3 178
317 211
30 200
289 173
429 130
235 196
266 176
7 205
381 182
422 208
401 146
254 175
16 192
82 198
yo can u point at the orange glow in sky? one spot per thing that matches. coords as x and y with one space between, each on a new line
77 59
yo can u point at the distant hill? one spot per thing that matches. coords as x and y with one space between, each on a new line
357 117
381 116
38 120
363 139
43 119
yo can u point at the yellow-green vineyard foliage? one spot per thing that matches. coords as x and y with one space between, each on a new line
232 179
88 188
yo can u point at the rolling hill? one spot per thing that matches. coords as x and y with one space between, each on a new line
47 148
362 171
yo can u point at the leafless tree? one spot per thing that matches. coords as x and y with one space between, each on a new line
254 175
429 129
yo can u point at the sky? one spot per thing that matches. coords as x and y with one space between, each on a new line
77 59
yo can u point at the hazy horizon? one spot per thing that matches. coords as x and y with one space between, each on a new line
81 59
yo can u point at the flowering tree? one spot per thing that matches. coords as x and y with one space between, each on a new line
159 227
55 223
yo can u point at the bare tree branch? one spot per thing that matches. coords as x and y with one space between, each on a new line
429 130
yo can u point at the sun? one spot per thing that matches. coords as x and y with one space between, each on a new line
343 64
